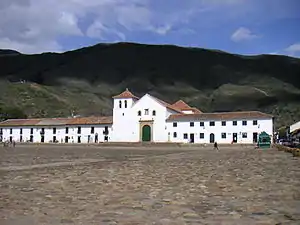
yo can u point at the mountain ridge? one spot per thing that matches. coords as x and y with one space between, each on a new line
85 79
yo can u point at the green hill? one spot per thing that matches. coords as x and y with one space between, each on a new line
84 80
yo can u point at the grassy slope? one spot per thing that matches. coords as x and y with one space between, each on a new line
84 80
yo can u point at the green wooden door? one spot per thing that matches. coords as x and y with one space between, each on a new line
146 133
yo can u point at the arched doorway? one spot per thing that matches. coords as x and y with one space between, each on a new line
146 133
212 138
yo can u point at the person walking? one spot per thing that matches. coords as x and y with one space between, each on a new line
216 146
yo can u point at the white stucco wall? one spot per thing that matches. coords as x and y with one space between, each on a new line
183 127
60 133
126 122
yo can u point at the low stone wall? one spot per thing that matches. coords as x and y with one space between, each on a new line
294 151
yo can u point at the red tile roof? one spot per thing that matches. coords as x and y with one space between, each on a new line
183 106
56 121
90 120
220 116
195 110
126 94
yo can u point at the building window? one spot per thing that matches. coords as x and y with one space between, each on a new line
43 131
201 124
92 130
174 124
234 123
191 124
212 123
139 113
120 104
125 103
174 135
54 130
153 113
146 111
31 130
1 131
67 130
223 135
254 122
21 131
244 123
201 135
185 136
223 123
244 135
106 132
10 131
79 131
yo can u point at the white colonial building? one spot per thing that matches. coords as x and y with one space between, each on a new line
146 119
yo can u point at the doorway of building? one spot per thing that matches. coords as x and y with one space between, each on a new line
66 139
42 138
255 136
234 137
146 133
192 138
78 139
212 138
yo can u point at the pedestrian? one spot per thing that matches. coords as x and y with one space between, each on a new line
216 146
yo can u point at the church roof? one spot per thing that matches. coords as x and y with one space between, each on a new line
220 116
180 104
126 94
167 105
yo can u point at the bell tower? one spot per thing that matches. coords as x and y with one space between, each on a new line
123 115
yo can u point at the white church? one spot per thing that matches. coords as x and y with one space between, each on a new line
145 119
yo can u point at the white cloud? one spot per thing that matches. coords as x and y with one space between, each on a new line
243 34
98 30
34 26
293 49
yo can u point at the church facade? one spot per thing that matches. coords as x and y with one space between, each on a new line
145 119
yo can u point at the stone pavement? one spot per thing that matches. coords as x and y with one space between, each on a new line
200 186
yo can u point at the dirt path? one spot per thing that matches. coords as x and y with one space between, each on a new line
232 186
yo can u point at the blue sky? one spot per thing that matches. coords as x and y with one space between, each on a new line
237 26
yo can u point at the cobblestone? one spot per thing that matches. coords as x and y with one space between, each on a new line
150 186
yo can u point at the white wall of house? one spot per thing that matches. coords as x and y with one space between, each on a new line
222 134
86 133
23 134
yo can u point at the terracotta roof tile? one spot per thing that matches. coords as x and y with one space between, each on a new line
126 94
180 104
90 120
220 116
56 121
195 110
